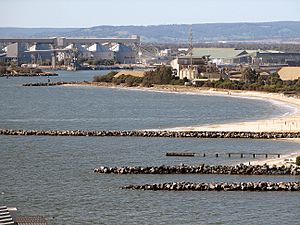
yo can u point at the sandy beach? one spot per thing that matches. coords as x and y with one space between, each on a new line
289 122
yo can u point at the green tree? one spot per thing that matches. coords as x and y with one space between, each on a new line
249 75
161 75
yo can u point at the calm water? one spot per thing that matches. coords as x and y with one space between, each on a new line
53 176
102 108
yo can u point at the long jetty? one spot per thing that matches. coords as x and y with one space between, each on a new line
241 186
229 155
149 133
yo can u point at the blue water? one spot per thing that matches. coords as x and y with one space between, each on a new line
103 108
53 176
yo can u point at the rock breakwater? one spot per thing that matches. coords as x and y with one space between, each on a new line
240 169
39 84
242 186
43 74
148 133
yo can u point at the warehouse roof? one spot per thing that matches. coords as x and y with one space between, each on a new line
218 53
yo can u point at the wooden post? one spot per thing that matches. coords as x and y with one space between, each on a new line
253 155
229 155
266 155
278 155
242 155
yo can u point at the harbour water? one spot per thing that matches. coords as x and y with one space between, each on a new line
53 176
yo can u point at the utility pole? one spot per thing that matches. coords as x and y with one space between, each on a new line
191 52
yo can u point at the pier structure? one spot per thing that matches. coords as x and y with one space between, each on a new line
26 49
229 155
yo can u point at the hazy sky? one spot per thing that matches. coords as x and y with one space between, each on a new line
87 13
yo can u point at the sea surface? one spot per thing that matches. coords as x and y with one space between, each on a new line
53 176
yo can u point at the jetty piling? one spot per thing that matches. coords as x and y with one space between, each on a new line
217 155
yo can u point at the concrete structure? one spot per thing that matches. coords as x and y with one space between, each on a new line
100 52
123 54
289 73
40 52
62 42
16 51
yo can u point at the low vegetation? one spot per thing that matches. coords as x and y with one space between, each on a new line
161 75
250 81
106 78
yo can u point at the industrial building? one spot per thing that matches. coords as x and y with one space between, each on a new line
51 50
223 55
123 54
100 52
227 56
191 65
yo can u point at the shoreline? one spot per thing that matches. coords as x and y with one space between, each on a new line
286 123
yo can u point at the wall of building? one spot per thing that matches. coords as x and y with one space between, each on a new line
279 58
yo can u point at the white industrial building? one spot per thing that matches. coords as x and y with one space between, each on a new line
100 52
70 49
123 54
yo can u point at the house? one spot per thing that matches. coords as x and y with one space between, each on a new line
187 67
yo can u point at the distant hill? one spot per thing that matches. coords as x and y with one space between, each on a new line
210 32
16 32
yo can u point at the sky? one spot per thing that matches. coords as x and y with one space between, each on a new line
88 13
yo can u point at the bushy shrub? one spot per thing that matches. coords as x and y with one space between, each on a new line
105 78
3 69
298 160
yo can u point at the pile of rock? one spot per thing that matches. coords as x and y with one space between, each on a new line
20 74
242 186
204 169
147 133
45 84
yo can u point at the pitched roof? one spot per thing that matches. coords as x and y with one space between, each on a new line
120 48
218 53
98 48
289 73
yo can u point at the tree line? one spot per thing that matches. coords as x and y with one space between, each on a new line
250 80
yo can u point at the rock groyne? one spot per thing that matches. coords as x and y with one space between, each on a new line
242 186
40 84
240 169
43 74
149 133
